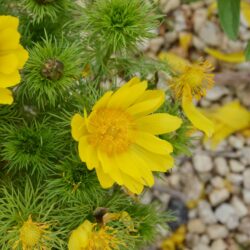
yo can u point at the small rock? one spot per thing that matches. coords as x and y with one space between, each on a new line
199 18
204 239
192 214
242 238
202 163
217 231
245 226
180 20
227 215
236 141
219 245
221 166
170 37
146 198
236 166
217 182
239 206
246 178
218 196
216 93
246 154
196 226
156 43
210 34
206 213
169 5
246 196
236 179
201 246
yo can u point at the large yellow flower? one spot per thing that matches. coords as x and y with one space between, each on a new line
119 137
191 81
88 237
12 57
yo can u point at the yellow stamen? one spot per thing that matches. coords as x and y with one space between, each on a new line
196 77
110 130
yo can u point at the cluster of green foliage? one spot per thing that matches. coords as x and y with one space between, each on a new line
41 174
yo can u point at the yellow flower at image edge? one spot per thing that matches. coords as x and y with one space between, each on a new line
88 237
191 81
119 137
12 57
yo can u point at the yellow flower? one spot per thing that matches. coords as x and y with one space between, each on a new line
119 137
191 81
89 237
228 119
12 57
31 234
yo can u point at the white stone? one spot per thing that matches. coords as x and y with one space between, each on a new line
242 238
218 196
246 196
227 215
206 213
204 239
201 246
199 18
236 166
236 141
156 43
196 226
217 231
219 245
216 93
170 37
146 198
202 163
246 178
169 5
236 179
210 34
245 226
218 182
239 206
246 154
221 166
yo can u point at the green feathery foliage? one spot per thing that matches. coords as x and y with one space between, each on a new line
53 67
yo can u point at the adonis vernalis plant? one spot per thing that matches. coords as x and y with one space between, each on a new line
87 129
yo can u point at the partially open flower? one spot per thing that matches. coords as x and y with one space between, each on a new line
12 57
191 81
89 237
119 137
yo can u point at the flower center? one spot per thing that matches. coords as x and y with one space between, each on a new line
194 77
30 234
110 130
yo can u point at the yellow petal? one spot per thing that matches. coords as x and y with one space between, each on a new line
5 96
175 62
78 127
149 102
22 55
8 21
196 117
110 167
136 167
9 80
105 180
132 185
156 162
103 101
153 143
9 39
185 40
238 57
157 124
124 97
88 153
8 63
